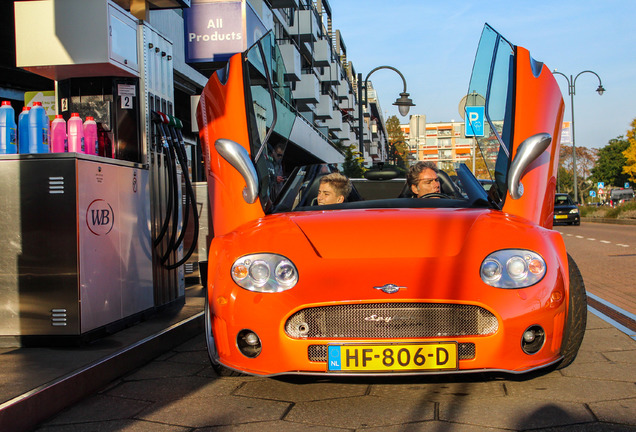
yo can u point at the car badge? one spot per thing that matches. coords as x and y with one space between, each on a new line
389 288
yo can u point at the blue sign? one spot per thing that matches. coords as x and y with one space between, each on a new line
593 193
626 185
213 31
601 185
474 121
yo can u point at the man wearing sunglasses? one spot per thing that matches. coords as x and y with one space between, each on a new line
422 179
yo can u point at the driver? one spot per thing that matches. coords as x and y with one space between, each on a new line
422 179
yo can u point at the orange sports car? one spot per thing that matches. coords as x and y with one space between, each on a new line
459 280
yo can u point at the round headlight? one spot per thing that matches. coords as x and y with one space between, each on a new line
259 272
285 272
491 270
516 267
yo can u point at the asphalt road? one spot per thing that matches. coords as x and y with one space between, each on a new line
179 391
606 256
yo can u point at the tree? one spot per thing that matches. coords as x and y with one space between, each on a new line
398 149
609 167
585 162
353 164
630 153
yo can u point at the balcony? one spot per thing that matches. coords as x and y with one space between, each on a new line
324 110
330 74
305 26
322 53
282 4
291 58
334 123
307 89
343 89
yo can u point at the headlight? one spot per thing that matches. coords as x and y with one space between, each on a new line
574 211
264 272
512 268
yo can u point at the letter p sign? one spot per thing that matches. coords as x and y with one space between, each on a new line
474 121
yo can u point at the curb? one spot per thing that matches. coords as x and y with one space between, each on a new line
609 221
26 411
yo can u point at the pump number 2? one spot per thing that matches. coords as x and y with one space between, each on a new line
126 102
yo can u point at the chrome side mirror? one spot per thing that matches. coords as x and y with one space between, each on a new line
529 150
236 155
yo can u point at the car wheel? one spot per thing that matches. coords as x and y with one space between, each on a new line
577 316
577 223
209 341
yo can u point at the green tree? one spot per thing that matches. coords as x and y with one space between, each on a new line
630 153
610 163
585 161
398 149
353 164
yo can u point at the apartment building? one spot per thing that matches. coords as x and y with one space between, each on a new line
442 142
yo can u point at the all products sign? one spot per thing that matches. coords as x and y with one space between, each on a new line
215 30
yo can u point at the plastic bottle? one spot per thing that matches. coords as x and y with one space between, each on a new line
38 129
23 130
8 132
59 143
75 134
90 136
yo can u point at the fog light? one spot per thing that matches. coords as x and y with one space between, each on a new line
248 343
532 339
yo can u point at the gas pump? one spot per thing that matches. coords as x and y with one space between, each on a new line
95 242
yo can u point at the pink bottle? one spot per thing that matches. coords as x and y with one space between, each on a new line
90 136
59 142
75 134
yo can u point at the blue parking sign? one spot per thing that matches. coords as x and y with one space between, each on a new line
474 121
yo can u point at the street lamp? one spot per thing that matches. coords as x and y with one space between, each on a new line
571 91
404 103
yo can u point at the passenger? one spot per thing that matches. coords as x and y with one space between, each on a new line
334 189
422 179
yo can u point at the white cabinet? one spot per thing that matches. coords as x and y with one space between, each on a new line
62 39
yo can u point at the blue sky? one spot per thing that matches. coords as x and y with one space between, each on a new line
433 44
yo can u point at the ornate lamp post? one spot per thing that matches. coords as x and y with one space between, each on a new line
403 102
571 91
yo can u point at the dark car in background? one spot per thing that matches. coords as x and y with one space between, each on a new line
565 211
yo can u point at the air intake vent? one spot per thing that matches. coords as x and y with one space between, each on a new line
56 185
58 317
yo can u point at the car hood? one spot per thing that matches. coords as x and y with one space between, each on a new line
408 233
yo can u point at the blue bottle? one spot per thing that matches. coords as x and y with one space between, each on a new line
23 130
38 129
8 135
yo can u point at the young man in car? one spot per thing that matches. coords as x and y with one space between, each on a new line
422 179
334 189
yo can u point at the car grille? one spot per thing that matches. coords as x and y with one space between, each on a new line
318 353
391 321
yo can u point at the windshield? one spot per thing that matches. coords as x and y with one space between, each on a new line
301 190
489 108
270 122
560 200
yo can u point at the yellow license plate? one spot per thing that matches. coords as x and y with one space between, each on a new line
394 357
561 216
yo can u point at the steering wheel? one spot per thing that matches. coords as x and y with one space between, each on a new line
435 195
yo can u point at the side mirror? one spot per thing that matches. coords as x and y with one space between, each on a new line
529 150
236 155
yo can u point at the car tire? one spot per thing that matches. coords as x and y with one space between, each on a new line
577 316
219 369
577 223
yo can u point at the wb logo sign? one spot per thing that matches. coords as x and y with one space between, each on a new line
474 121
100 217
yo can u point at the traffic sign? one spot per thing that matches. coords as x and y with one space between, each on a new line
592 194
474 121
601 185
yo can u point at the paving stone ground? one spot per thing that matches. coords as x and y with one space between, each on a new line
179 391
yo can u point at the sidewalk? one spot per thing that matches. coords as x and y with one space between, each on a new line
36 383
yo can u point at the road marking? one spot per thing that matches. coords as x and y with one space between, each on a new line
580 237
622 245
606 242
593 239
